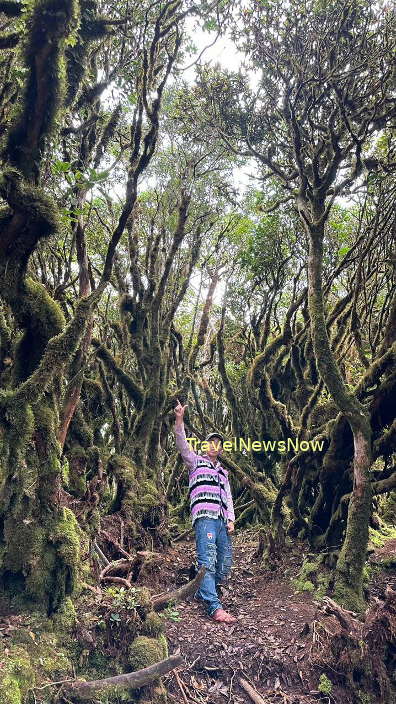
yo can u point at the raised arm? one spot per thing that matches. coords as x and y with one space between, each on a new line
188 455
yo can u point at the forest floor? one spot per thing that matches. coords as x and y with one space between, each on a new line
272 645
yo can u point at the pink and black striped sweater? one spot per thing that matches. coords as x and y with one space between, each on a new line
209 488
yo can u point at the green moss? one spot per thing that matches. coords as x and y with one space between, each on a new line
348 598
65 617
80 430
148 495
16 676
164 644
50 23
10 691
24 545
146 651
302 583
367 572
65 471
124 471
67 538
44 418
23 666
153 625
388 508
42 318
378 537
93 390
348 590
144 600
67 534
55 577
20 420
97 665
77 471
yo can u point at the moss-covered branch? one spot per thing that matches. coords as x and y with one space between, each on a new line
284 338
134 391
51 22
59 350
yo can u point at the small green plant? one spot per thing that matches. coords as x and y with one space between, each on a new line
115 618
325 685
172 614
124 598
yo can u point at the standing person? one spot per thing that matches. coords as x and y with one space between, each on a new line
212 514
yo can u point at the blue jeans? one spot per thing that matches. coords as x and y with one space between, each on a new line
214 550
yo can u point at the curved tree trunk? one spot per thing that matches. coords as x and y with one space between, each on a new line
349 570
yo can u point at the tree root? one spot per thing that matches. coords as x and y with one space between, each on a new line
363 652
116 566
177 595
130 680
118 580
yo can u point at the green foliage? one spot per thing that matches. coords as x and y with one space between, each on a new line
312 578
325 685
122 598
172 614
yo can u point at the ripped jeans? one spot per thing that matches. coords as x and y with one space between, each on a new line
214 550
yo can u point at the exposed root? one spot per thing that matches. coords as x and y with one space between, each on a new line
179 594
362 652
116 566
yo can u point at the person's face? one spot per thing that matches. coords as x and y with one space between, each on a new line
215 448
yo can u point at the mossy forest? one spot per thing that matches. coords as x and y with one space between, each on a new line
198 205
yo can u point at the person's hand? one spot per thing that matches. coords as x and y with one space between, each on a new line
230 526
179 411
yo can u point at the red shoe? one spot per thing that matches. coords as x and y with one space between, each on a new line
223 616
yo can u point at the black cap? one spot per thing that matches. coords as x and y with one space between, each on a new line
214 435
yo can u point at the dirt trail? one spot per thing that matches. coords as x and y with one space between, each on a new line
269 645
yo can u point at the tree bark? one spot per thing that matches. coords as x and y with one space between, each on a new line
349 570
131 680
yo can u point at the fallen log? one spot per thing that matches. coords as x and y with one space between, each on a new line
130 680
180 594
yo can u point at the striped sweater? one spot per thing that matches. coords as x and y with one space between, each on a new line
209 488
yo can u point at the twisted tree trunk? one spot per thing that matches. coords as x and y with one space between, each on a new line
352 558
